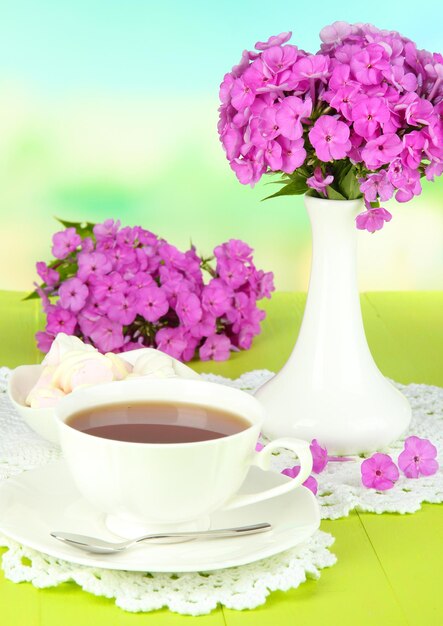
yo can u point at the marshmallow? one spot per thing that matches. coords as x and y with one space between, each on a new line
120 367
153 364
43 381
46 397
63 344
79 368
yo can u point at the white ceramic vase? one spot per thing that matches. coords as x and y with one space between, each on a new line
330 388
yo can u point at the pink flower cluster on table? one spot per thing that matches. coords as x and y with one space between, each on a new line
320 459
363 116
125 288
418 458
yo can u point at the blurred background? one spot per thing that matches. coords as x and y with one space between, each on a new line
109 109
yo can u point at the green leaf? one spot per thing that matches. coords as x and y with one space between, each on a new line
349 185
31 296
283 181
333 194
296 187
84 229
301 171
67 271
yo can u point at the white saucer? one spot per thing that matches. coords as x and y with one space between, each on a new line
45 499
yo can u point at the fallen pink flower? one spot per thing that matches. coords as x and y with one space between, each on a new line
379 472
310 482
319 457
418 458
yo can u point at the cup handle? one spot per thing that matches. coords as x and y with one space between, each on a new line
262 460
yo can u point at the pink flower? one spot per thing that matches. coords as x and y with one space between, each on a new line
108 228
414 144
242 94
265 284
49 276
310 482
258 76
344 99
275 40
290 115
244 170
59 320
232 142
335 33
272 155
319 182
433 169
368 115
191 345
44 340
152 303
397 173
91 264
381 150
226 85
245 336
330 138
411 185
312 66
373 219
234 249
73 294
188 308
279 58
233 272
171 341
341 77
259 446
434 135
216 347
43 293
205 327
87 245
88 317
107 335
173 283
418 458
379 472
419 112
65 242
122 307
377 185
239 69
319 456
103 287
293 154
367 65
140 280
217 297
267 123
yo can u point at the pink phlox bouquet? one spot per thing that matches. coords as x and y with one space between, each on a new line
125 288
360 118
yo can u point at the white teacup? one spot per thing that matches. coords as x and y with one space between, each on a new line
144 487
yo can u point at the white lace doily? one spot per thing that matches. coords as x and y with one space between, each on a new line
244 587
339 486
340 491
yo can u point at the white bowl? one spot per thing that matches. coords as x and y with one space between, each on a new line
21 381
42 421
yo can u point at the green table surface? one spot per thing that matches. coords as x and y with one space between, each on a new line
389 569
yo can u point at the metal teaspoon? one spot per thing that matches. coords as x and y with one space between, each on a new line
99 546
